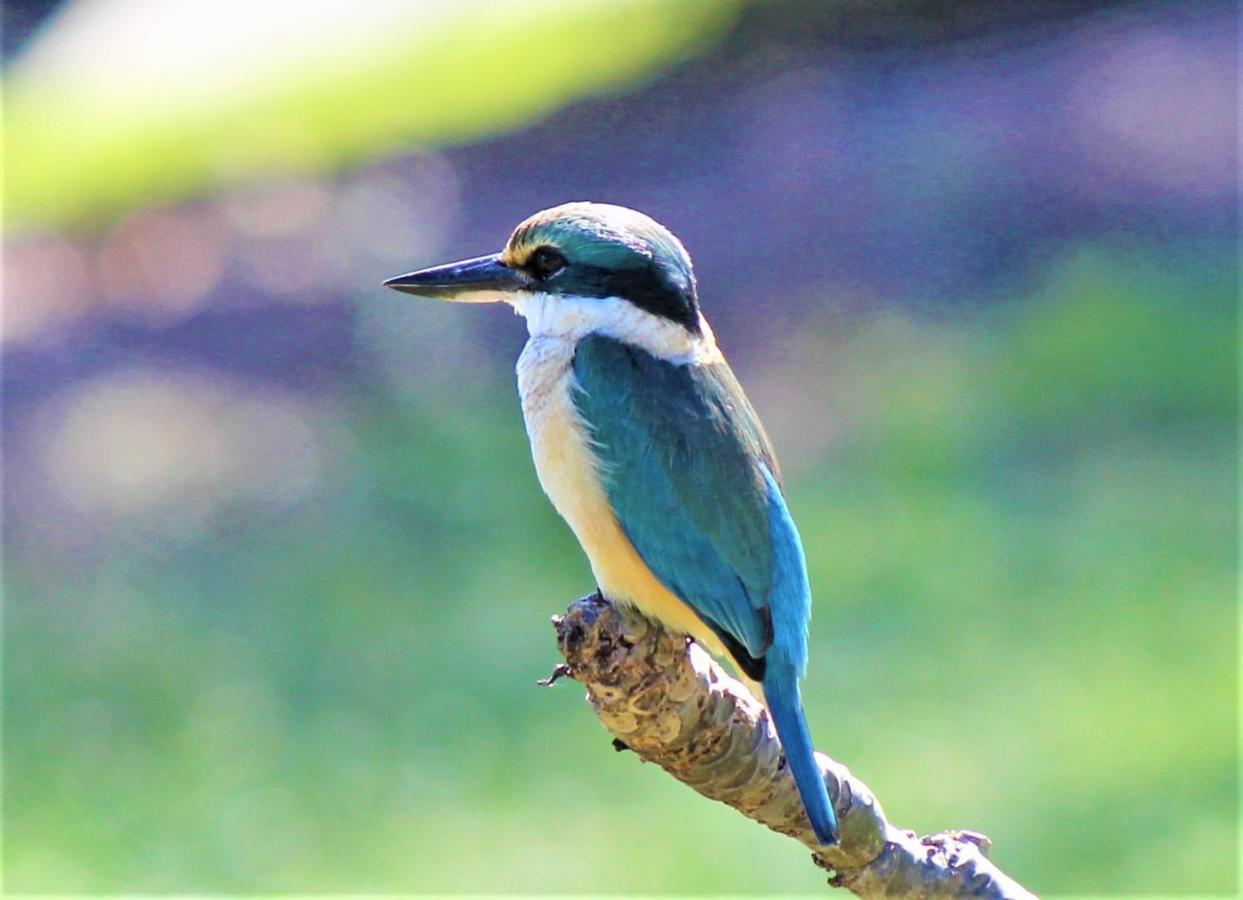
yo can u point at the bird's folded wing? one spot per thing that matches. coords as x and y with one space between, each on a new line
691 478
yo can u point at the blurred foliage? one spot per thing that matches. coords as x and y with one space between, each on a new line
77 153
1022 556
278 570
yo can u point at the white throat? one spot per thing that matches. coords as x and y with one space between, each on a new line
572 318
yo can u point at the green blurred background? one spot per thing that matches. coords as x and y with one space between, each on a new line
278 572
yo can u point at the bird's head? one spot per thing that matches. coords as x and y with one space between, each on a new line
582 250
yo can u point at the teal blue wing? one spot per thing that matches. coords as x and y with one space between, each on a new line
692 479
693 482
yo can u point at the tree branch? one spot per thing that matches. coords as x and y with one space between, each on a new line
670 703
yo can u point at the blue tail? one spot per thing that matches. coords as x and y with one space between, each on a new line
786 708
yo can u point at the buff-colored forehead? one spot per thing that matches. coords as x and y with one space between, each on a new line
597 233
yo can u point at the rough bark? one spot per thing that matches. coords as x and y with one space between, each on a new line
668 701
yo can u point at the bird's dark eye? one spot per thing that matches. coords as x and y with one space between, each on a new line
546 261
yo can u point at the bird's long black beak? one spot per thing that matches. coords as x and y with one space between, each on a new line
484 279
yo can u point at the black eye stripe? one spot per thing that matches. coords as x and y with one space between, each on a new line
645 283
647 287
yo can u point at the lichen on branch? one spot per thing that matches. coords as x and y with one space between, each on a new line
664 698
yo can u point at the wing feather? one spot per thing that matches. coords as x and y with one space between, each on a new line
690 475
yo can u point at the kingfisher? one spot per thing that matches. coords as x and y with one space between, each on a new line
647 446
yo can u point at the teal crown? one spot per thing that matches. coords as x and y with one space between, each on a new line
601 250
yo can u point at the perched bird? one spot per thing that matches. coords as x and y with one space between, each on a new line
647 446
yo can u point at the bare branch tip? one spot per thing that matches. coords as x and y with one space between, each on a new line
560 670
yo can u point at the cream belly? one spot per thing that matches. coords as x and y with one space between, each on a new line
567 470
